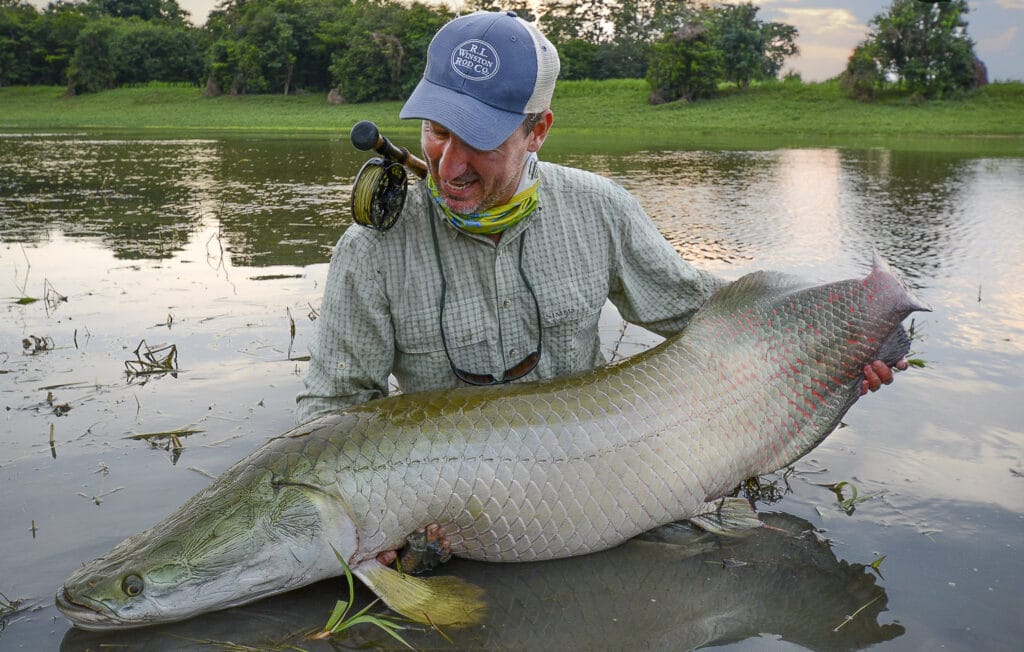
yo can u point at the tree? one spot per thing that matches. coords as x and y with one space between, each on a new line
55 36
92 65
577 58
622 33
110 52
921 47
380 48
16 21
149 10
260 46
751 49
684 65
863 78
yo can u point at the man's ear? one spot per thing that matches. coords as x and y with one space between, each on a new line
540 131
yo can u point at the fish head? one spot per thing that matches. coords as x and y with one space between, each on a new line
250 534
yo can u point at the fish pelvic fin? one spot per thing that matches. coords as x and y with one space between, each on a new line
436 600
731 516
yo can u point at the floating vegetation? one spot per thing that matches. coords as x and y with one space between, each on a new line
339 620
169 440
34 344
98 498
876 566
51 296
850 618
230 646
59 409
150 361
273 277
8 606
23 299
849 505
765 489
291 331
918 363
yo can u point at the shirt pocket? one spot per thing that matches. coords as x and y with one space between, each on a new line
419 332
576 300
570 312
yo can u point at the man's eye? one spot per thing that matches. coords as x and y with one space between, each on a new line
437 130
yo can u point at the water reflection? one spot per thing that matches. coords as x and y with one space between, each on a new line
285 202
671 590
231 236
275 202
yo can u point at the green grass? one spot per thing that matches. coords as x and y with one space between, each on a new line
765 114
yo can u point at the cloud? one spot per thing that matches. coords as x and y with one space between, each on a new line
999 42
827 37
1011 4
824 21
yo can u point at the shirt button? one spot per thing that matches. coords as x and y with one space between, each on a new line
506 303
513 353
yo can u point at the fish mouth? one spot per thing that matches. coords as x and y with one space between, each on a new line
87 613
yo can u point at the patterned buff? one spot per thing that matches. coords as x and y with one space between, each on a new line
498 218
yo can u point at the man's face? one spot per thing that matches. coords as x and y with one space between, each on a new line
472 180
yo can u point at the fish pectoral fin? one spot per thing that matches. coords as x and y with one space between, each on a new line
731 517
439 600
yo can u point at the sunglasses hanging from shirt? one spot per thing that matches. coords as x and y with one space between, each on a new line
378 192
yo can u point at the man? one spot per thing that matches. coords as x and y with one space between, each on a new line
498 268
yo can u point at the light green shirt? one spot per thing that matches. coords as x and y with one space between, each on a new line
588 241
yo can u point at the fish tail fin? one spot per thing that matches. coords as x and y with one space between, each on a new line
731 517
895 347
438 600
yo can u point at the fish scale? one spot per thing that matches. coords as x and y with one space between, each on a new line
522 472
622 462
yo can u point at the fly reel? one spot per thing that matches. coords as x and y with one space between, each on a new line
378 193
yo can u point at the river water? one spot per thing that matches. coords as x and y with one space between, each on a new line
213 251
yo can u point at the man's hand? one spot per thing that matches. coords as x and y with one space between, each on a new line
878 373
425 549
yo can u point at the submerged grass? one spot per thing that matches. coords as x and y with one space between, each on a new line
609 109
339 620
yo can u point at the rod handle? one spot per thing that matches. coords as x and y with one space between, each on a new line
366 136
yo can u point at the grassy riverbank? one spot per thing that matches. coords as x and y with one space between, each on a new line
787 111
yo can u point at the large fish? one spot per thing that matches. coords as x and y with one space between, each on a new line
760 376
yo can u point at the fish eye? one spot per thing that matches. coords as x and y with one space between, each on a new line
132 585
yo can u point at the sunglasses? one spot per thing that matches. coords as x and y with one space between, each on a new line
516 371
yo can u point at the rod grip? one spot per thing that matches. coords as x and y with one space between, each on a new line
366 136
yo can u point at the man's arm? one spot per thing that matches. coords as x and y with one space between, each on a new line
653 286
353 349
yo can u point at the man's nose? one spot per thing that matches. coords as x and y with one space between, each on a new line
454 161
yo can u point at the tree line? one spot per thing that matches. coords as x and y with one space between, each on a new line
371 50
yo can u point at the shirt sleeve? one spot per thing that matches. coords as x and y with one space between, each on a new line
352 351
652 285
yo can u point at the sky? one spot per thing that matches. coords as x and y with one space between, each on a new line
830 29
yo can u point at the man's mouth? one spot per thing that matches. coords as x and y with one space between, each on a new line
457 187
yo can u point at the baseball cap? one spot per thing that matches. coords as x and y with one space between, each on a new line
485 71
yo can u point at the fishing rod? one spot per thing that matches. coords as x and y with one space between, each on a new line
378 192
